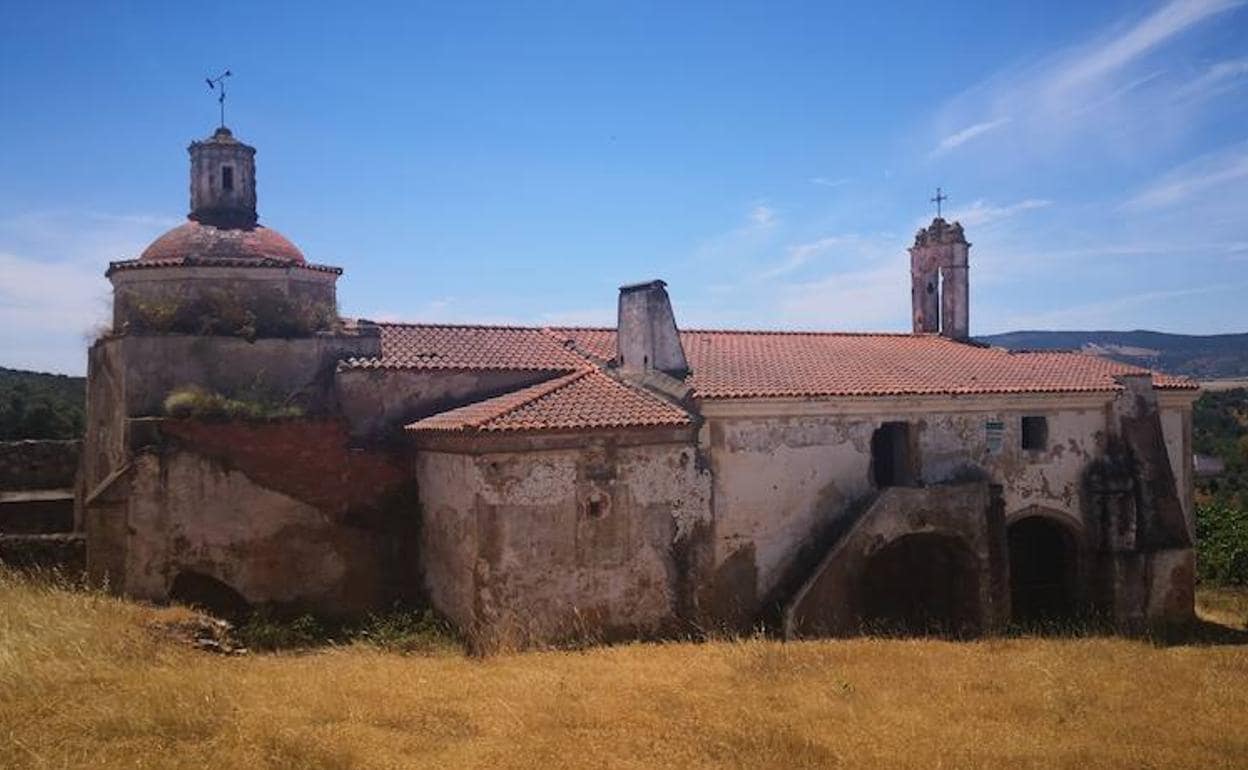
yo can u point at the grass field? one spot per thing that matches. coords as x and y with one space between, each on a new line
94 682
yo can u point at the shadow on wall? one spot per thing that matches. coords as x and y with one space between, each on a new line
922 583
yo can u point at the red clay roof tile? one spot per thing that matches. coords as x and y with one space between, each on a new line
745 364
584 399
725 365
443 346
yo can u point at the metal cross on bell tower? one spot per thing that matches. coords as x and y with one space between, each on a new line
939 199
218 83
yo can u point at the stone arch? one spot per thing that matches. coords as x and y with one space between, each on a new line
203 592
1046 561
922 582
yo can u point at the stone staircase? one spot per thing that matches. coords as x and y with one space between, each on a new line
37 506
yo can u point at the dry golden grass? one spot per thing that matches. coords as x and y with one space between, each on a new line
85 682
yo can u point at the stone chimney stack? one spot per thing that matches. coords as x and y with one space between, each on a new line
939 280
223 181
646 336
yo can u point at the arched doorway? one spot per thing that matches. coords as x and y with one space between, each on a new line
207 593
921 583
1043 570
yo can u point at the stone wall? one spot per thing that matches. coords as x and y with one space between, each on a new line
276 301
283 513
831 601
521 547
38 464
381 401
787 474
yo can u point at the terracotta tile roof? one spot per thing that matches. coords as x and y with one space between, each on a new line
444 346
748 364
588 398
744 364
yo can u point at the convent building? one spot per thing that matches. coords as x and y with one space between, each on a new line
534 484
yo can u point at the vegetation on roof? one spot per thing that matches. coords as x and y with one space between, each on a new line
193 402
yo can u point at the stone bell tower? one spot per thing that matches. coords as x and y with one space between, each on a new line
939 283
223 181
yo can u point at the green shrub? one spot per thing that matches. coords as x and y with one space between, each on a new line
263 631
197 403
406 631
1222 542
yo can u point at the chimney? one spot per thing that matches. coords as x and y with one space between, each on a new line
939 280
646 335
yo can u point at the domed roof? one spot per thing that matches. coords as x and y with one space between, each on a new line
196 241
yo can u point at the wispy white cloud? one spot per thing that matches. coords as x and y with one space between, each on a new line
959 138
53 294
1209 173
981 212
801 254
1116 52
873 298
824 181
762 215
1217 78
1110 85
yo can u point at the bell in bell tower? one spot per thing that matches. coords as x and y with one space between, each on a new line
223 181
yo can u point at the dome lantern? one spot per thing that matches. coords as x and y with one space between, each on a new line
223 181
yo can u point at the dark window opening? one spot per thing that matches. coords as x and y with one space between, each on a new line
892 462
1043 570
924 583
596 505
227 178
1035 432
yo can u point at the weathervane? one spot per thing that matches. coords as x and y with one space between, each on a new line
219 83
939 199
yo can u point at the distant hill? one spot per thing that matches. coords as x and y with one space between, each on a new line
38 405
1214 356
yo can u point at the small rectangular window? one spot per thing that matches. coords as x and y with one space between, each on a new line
1035 434
227 178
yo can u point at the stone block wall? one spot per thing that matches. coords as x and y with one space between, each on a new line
38 464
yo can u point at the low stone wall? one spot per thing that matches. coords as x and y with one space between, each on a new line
38 464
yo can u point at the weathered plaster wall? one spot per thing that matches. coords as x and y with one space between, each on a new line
1176 425
104 446
519 547
782 480
185 511
140 295
778 481
830 600
786 475
375 401
147 367
282 511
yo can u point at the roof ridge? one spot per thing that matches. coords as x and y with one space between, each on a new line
438 325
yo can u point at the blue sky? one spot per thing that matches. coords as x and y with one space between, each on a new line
515 163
